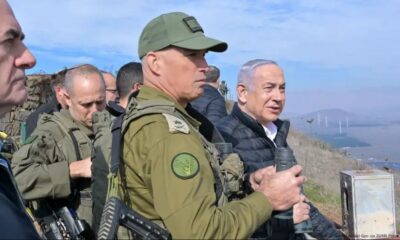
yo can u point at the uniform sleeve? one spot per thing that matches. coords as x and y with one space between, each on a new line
188 206
40 168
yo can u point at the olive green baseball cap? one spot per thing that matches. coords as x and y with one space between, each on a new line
176 29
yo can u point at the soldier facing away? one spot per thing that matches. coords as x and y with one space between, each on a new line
211 103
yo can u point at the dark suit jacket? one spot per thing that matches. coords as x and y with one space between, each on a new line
211 104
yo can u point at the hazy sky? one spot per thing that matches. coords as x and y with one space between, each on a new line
334 52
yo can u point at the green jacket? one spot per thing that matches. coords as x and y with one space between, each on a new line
41 166
170 181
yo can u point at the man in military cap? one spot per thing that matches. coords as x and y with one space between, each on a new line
14 59
171 173
53 167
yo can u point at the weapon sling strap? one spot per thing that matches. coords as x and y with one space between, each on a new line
117 164
67 126
76 146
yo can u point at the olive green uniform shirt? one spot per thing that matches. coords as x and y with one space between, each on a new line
187 207
41 166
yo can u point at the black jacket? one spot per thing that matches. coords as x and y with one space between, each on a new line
249 140
14 222
256 150
211 104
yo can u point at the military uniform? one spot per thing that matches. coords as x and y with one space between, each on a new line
168 177
41 166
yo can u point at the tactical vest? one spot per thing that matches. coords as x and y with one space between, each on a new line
228 174
81 144
75 145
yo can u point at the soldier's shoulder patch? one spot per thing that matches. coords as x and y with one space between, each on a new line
176 124
185 165
44 117
30 139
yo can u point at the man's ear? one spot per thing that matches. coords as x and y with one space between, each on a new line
135 87
241 93
152 61
66 96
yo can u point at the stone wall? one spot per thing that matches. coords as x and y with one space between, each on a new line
39 90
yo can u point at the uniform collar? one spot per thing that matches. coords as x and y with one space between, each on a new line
87 131
148 93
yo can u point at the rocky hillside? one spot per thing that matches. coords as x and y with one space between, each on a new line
38 87
322 165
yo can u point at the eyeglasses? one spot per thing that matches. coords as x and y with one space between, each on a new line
111 90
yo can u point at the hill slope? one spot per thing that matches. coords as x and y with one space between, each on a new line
322 165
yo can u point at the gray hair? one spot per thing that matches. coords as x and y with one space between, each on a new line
79 70
247 70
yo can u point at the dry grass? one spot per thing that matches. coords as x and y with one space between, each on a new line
322 164
327 203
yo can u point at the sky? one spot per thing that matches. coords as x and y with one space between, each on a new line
335 53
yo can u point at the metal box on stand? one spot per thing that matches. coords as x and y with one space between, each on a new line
368 206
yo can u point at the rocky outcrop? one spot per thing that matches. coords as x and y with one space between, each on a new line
39 90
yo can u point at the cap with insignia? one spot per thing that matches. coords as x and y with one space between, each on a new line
176 29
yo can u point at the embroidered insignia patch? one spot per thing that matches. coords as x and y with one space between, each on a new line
185 165
175 124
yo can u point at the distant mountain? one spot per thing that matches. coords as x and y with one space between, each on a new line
333 114
332 118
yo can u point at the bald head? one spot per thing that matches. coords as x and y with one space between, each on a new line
85 93
85 72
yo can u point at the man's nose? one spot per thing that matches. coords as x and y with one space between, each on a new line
25 59
277 94
203 65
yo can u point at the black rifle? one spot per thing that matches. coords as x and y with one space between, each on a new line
116 213
284 159
62 225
